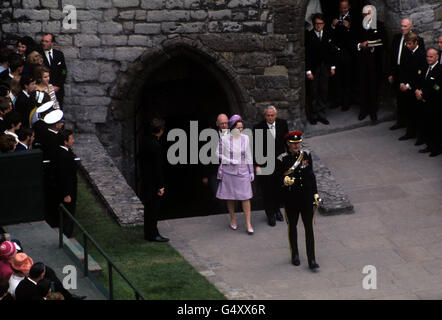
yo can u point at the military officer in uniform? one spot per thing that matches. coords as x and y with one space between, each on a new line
299 193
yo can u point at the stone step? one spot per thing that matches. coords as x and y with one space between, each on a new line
77 249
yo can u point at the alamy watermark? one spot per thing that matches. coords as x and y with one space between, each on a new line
233 149
370 281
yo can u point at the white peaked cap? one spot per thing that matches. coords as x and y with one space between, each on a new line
45 107
53 116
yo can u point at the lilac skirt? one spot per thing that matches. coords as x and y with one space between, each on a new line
234 187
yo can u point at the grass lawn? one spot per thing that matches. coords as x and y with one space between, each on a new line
157 270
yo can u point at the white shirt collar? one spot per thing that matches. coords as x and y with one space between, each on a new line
12 134
415 49
27 94
65 148
56 132
10 74
23 144
273 124
433 65
32 281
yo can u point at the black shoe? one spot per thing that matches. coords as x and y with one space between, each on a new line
313 121
75 297
295 260
373 117
426 150
323 120
271 220
158 239
396 126
313 265
345 108
435 153
279 216
419 142
362 116
406 137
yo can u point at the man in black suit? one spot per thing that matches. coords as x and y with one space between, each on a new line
25 139
66 177
15 69
27 288
370 55
277 128
343 38
319 65
5 107
26 99
398 55
54 60
153 175
428 93
407 79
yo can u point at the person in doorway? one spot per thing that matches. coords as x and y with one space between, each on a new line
153 175
236 171
299 192
278 128
211 170
319 65
370 51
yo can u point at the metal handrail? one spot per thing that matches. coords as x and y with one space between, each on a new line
110 263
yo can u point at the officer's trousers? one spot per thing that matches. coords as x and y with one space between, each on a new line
292 211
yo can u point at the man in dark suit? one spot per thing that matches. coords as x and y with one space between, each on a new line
428 93
154 183
27 288
5 107
297 182
26 99
407 79
319 65
343 38
25 139
15 69
370 54
398 55
66 177
54 60
277 128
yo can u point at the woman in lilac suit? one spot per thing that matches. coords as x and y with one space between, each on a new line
236 171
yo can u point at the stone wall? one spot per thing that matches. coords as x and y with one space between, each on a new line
255 45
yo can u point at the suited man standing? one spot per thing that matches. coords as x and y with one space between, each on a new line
343 37
278 128
398 55
26 99
153 176
428 93
319 65
27 288
54 60
66 176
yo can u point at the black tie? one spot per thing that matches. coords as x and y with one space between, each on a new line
50 58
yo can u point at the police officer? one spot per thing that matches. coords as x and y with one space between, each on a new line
299 192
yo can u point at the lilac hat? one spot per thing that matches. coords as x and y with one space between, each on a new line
233 119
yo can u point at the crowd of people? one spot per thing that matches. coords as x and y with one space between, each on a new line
352 49
21 279
31 100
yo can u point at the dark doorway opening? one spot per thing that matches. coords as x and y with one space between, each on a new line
182 90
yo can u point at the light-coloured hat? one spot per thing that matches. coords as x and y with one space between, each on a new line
53 116
22 262
45 107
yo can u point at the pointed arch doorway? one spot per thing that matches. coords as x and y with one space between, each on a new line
183 86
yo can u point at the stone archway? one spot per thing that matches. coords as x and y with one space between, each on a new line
181 81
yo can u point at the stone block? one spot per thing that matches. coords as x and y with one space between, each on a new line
91 114
85 70
128 54
88 90
70 52
252 59
108 73
89 15
53 4
87 40
231 27
148 28
56 14
276 70
272 82
164 16
196 27
29 28
140 15
78 4
51 26
110 27
110 40
220 14
99 4
198 15
138 40
262 95
94 101
64 40
30 4
89 27
10 27
152 4
233 42
174 4
243 3
106 53
126 3
192 4
32 14
127 15
254 27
